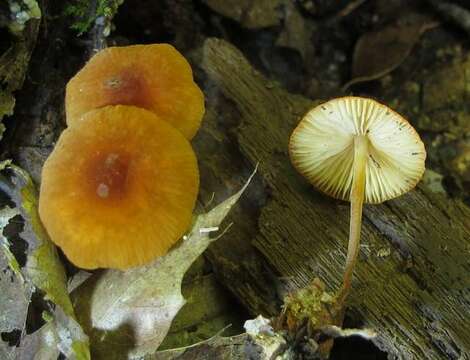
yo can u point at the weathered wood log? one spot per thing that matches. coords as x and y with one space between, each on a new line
411 284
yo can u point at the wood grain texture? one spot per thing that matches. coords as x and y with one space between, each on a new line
411 284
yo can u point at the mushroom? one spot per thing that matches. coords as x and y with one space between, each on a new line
357 149
119 188
154 77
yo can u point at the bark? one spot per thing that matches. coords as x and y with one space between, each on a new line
411 284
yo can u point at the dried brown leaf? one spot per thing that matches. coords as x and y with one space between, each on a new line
380 52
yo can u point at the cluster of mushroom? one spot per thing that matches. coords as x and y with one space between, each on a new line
357 149
120 186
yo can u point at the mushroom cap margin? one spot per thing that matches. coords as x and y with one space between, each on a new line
322 149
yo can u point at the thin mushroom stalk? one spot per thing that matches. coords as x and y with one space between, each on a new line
357 200
359 138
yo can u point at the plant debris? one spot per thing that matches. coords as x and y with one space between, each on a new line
23 27
131 312
44 271
380 52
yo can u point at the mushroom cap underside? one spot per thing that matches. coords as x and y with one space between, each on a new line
119 188
322 149
155 77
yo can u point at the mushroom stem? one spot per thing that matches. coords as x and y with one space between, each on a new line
357 199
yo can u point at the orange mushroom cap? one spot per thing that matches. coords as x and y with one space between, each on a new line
119 188
154 77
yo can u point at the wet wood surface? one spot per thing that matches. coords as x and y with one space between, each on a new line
411 284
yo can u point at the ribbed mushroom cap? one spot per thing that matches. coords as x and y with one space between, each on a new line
119 188
154 77
322 149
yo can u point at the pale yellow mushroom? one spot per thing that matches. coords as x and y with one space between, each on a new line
357 149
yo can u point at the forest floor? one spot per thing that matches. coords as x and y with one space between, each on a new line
412 55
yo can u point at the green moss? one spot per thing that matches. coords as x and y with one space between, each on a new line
47 317
84 15
21 11
309 303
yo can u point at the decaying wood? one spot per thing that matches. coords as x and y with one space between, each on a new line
412 282
411 285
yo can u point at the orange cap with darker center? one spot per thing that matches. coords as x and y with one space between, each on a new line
119 188
154 77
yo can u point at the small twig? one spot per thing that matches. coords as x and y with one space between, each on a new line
336 331
208 230
348 9
211 199
454 13
98 34
224 231
212 339
301 332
